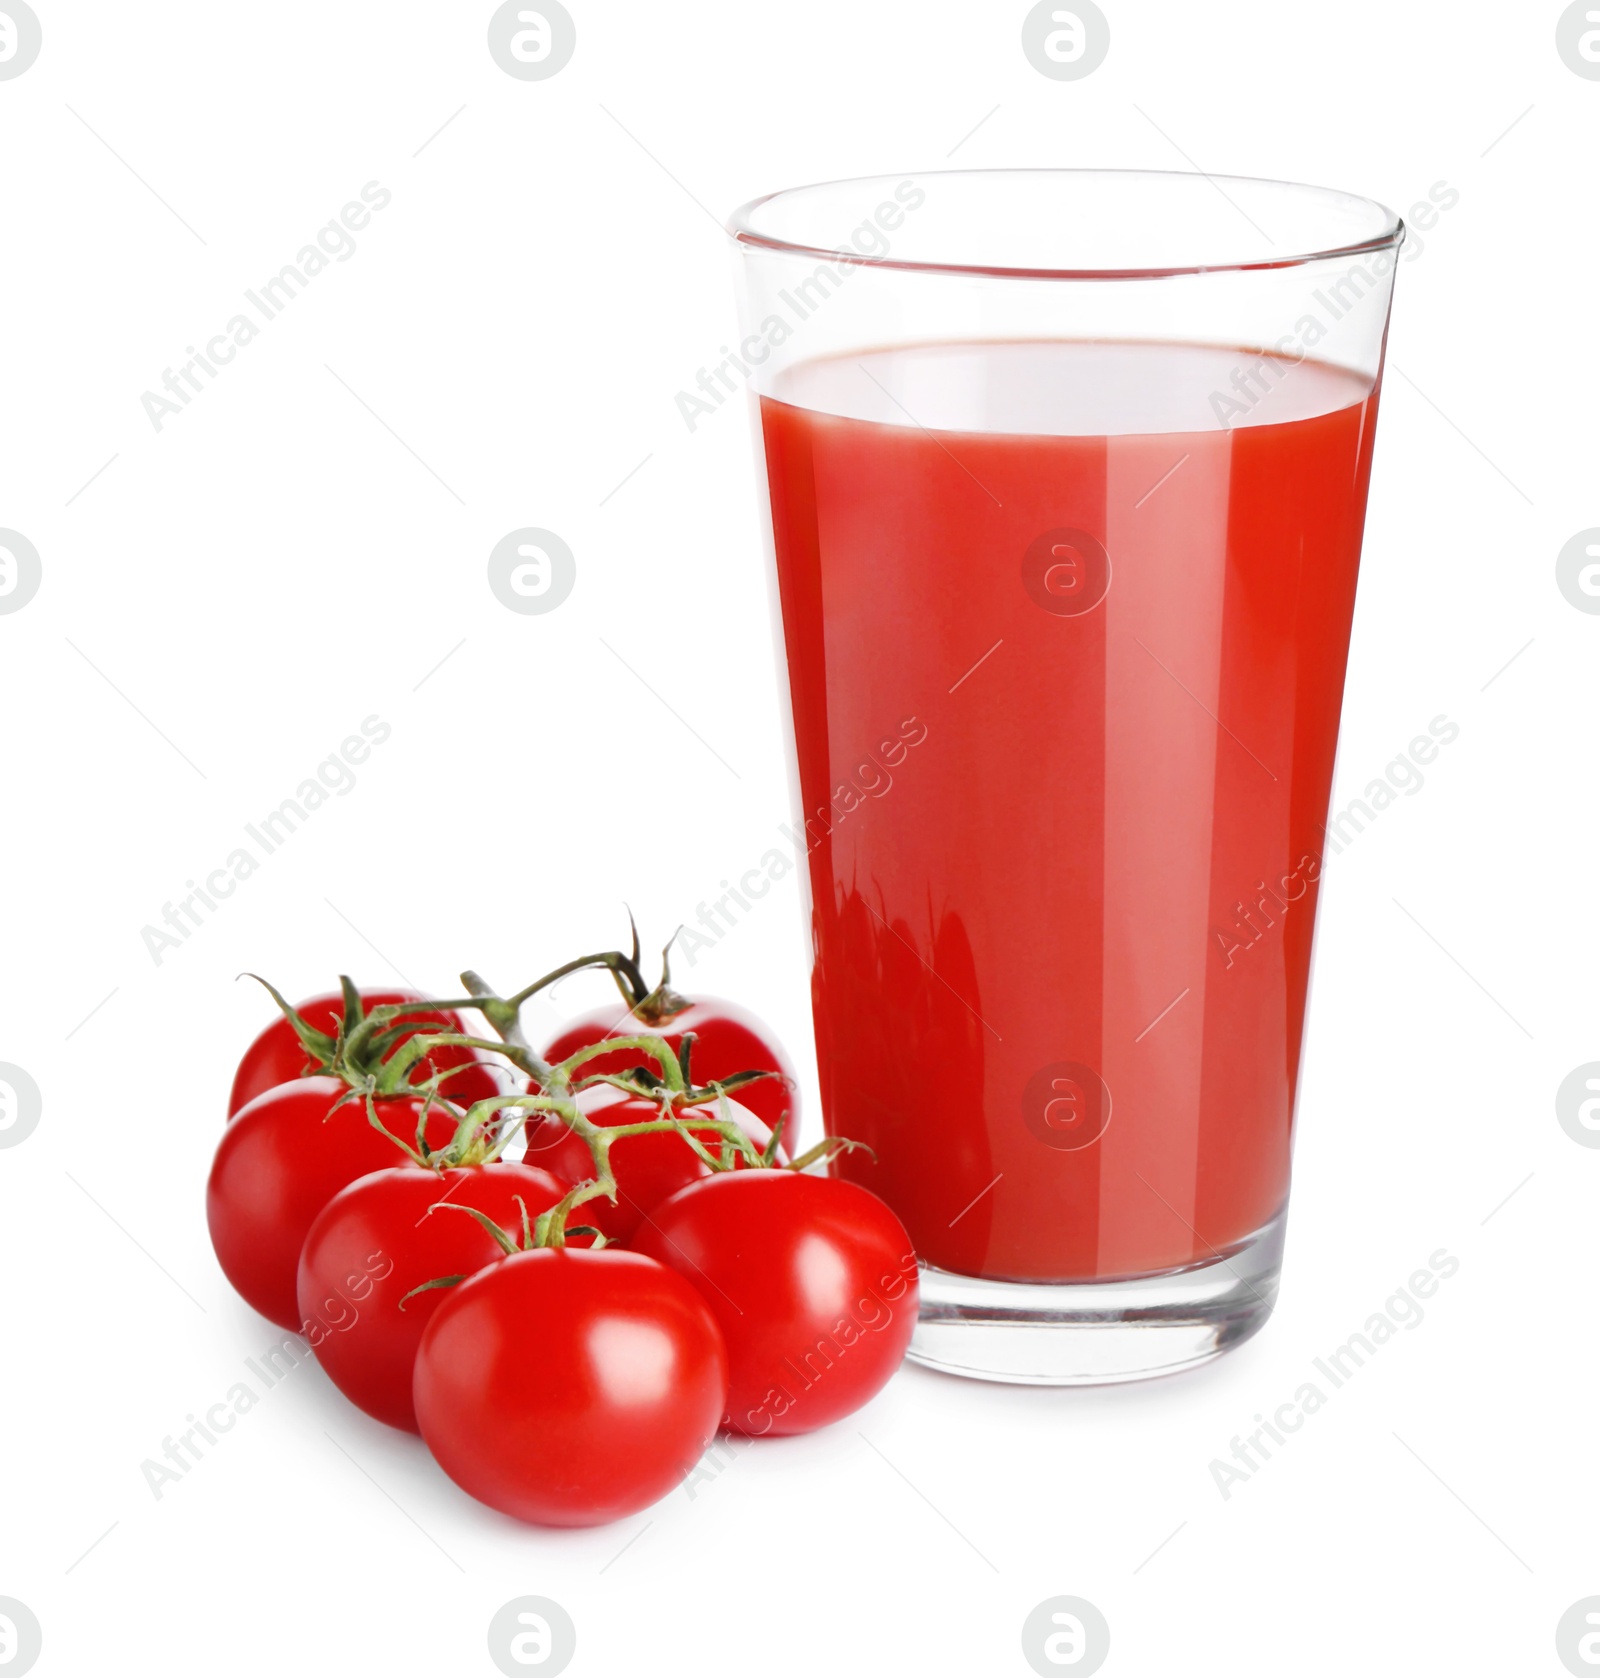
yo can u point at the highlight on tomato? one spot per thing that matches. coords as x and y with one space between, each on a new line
812 1281
570 1388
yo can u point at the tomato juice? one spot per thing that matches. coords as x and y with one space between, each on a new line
1061 963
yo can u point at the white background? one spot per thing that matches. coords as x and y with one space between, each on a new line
229 597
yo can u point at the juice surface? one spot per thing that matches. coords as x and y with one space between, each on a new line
1065 657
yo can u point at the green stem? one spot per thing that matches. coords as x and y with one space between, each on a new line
655 1047
506 1022
549 1228
391 1078
361 1039
624 971
478 1140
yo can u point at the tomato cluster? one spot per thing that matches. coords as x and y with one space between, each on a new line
568 1329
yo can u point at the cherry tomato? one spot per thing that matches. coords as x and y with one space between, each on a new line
727 1039
385 1235
647 1168
570 1388
281 1160
277 1055
811 1279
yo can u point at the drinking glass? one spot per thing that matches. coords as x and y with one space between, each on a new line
1066 473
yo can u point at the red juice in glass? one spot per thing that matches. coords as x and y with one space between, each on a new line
1065 625
1102 850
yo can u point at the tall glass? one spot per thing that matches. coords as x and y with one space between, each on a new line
1067 473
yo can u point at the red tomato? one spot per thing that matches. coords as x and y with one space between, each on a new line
647 1168
280 1161
727 1039
277 1055
812 1280
381 1237
570 1388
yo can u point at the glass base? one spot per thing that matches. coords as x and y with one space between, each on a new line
1079 1334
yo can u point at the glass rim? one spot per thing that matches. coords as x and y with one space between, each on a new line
741 227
